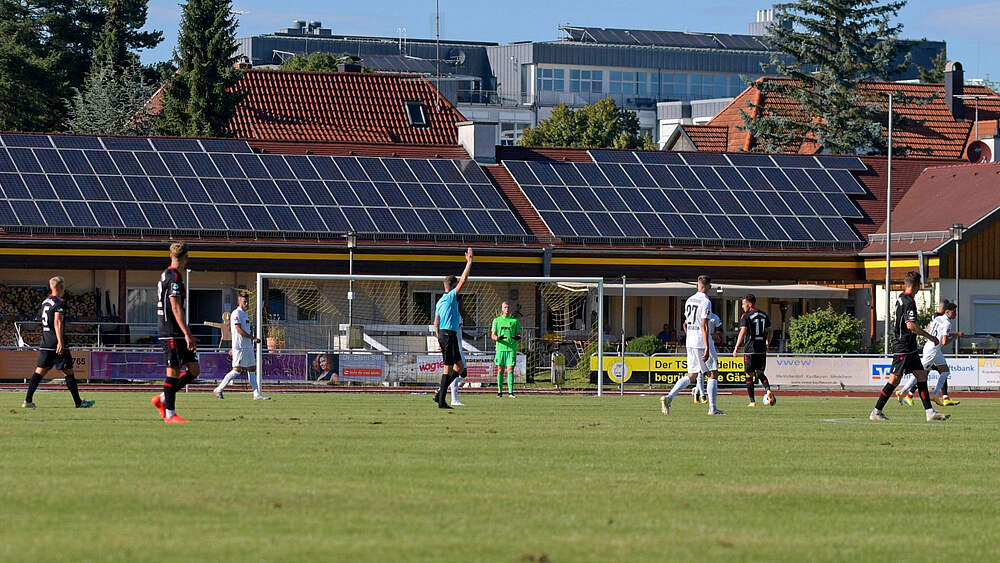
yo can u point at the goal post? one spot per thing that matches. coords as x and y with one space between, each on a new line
391 318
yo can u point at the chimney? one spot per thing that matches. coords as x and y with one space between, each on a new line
479 138
954 85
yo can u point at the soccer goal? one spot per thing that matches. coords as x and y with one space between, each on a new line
378 330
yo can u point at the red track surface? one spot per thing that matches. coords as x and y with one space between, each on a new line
147 388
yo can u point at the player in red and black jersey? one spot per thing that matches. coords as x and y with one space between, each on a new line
53 350
906 354
755 328
175 336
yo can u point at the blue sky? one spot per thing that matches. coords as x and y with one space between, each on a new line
970 28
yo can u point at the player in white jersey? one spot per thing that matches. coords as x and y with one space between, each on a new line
933 359
244 354
701 355
698 393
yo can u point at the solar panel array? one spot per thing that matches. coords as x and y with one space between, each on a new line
667 38
222 185
696 196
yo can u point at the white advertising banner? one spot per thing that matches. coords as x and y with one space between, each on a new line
964 373
480 368
362 368
989 372
822 371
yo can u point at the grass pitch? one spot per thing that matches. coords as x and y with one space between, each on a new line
338 477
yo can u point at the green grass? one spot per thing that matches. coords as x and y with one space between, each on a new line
338 477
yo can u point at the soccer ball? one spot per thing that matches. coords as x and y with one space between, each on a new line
768 399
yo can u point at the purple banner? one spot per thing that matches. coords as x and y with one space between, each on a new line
214 366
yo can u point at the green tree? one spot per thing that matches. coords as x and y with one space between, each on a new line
46 48
824 331
112 103
26 82
826 48
935 74
648 345
599 125
319 61
199 100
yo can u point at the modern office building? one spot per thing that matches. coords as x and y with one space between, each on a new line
518 84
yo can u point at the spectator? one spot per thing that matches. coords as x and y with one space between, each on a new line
665 334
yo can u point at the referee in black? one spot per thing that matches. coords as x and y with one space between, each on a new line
53 351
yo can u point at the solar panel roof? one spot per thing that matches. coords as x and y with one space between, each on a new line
222 185
750 198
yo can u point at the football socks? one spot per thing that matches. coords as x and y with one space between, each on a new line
73 389
925 396
36 378
713 391
681 384
885 394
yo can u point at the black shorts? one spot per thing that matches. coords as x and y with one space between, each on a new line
176 353
753 363
450 351
48 359
906 363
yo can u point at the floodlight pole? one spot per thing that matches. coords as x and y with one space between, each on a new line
259 329
957 230
600 338
352 242
621 344
888 237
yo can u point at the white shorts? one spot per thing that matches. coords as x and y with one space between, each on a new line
696 365
934 358
244 358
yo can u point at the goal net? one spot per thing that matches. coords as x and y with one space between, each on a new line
378 330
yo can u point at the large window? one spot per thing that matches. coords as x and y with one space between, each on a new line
634 83
511 132
586 81
551 79
986 315
675 86
276 304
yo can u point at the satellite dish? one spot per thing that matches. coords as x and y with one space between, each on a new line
978 152
457 56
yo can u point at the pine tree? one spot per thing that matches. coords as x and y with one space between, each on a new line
599 125
112 102
825 48
935 74
198 100
46 49
27 100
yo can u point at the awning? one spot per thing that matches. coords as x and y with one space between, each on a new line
685 289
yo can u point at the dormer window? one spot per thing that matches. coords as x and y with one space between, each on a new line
415 113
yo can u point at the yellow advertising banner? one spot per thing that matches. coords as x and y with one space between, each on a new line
661 369
18 364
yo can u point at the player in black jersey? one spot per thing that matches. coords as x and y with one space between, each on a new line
906 354
53 351
755 328
175 336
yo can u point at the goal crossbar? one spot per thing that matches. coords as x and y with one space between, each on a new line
599 282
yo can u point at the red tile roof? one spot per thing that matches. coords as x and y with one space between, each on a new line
934 133
341 107
359 149
939 198
708 138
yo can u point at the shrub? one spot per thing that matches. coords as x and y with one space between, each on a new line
825 331
647 345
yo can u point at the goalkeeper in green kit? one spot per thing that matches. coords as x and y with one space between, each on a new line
506 332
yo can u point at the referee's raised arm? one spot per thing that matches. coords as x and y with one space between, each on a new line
465 273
